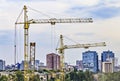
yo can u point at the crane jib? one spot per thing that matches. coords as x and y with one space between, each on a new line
54 20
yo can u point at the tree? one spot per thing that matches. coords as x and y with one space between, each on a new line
3 78
109 76
79 76
12 77
36 78
20 76
89 76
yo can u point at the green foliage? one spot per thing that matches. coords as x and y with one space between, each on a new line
79 76
51 79
40 71
110 77
72 76
3 78
35 78
89 76
20 76
45 70
12 77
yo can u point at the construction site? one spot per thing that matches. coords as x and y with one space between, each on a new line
30 47
59 40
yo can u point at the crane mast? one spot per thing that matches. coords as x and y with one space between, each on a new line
26 42
52 21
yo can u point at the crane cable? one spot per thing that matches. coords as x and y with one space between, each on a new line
53 32
74 40
19 16
39 12
53 38
57 45
71 39
15 44
19 42
15 38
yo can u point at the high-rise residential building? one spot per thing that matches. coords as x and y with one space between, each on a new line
107 67
2 65
53 61
107 55
79 65
107 58
90 61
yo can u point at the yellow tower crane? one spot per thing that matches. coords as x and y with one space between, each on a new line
52 21
63 47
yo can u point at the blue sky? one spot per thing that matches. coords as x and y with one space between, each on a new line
106 16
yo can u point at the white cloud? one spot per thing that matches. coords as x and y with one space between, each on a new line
86 2
80 2
110 28
111 3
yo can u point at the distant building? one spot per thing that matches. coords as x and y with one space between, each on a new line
2 65
42 67
17 66
116 68
22 65
107 67
41 64
8 67
12 67
66 65
116 61
99 65
106 55
108 58
53 61
37 63
79 64
70 68
90 61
